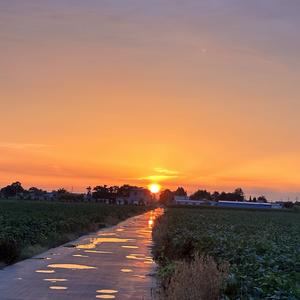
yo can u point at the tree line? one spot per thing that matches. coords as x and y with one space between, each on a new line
167 196
16 190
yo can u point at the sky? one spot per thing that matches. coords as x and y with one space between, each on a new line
196 93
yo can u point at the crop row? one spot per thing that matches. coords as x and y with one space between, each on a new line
262 248
30 227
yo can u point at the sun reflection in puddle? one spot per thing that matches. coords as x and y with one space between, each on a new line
106 294
79 255
58 287
126 270
130 247
120 229
139 276
98 251
107 234
71 266
45 271
107 291
95 241
54 280
136 256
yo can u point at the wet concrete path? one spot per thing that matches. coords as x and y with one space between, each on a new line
114 263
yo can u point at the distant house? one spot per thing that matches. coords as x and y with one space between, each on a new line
136 196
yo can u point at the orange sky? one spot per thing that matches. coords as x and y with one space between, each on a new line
203 94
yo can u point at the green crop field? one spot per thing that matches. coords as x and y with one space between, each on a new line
262 248
27 228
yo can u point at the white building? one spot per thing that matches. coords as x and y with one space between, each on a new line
184 200
136 196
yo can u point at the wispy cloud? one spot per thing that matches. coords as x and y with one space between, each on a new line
166 171
158 177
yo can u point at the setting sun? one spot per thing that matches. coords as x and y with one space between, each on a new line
154 188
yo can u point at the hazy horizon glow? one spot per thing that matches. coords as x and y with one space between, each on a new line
201 94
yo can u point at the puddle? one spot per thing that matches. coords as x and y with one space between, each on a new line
139 276
126 270
107 234
130 247
79 255
45 271
107 291
134 257
105 296
54 280
98 251
120 229
58 287
95 241
71 266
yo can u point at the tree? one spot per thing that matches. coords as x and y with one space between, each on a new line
12 190
180 192
215 196
201 195
166 197
100 192
239 195
262 199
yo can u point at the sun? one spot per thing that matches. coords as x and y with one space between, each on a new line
154 188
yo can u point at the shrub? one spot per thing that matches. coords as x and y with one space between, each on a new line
200 279
9 250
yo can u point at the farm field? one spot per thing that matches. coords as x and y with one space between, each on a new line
29 228
260 248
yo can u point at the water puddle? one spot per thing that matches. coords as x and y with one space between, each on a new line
98 251
106 294
79 255
54 280
96 241
71 266
126 270
130 247
107 234
45 271
58 288
107 291
139 276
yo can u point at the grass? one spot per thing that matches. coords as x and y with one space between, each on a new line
261 249
28 228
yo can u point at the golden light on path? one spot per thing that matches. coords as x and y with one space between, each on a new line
154 188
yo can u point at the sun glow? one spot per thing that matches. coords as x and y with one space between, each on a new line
154 188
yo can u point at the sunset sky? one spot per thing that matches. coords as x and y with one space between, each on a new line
197 93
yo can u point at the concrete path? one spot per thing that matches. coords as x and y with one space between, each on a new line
113 263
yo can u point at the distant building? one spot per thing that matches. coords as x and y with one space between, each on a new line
184 200
253 205
136 196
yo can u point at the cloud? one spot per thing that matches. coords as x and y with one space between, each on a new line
158 177
166 171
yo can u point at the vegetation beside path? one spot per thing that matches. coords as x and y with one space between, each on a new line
241 254
28 228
